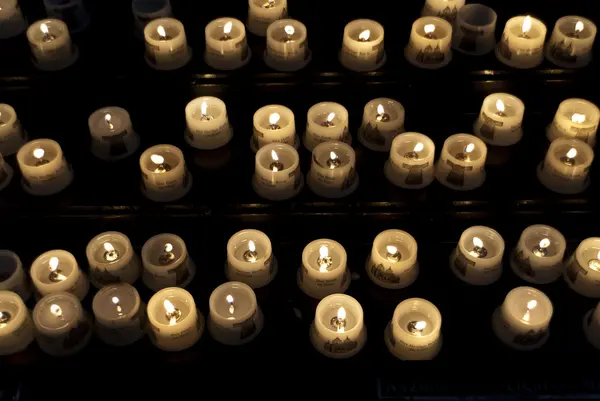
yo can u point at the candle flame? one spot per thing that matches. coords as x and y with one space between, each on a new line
391 249
168 247
477 242
157 159
500 105
420 325
227 28
532 304
39 153
341 313
365 35
572 153
229 298
274 156
544 243
578 118
579 26
380 109
115 300
56 310
419 147
333 156
161 31
469 148
203 108
53 263
107 118
274 118
44 29
429 28
527 24
330 117
289 30
251 246
108 247
323 251
170 309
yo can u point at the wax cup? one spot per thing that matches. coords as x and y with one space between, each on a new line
275 181
362 47
12 134
577 119
562 174
379 130
474 31
274 124
429 49
113 137
145 11
477 258
112 259
45 175
446 9
285 51
500 126
12 22
12 275
519 49
263 13
67 277
393 270
571 43
408 168
226 50
16 329
207 131
166 262
582 271
256 268
72 12
166 44
52 51
538 257
318 279
333 180
462 163
168 179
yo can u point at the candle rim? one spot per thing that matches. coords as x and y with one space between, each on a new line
156 304
7 110
173 28
226 288
235 242
56 27
104 291
388 104
349 303
488 235
264 160
558 242
396 237
583 248
589 30
300 34
581 106
114 237
465 139
214 29
476 10
50 146
542 300
162 150
53 298
18 318
158 242
418 304
119 119
353 29
311 250
10 259
39 267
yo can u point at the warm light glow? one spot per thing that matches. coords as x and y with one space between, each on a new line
275 157
365 35
341 313
229 298
161 31
227 28
251 246
115 300
420 325
56 310
168 247
333 156
469 148
274 118
157 159
44 29
500 105
289 30
391 249
107 118
532 304
108 247
477 242
53 263
598 256
579 27
323 252
578 118
527 24
203 108
429 28
419 147
330 117
38 153
380 109
572 153
544 243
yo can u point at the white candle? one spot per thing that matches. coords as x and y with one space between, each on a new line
383 120
12 275
414 331
16 328
44 168
226 45
113 137
462 163
571 43
522 42
410 164
500 120
333 170
166 44
12 134
166 262
51 46
165 177
277 174
287 46
175 323
446 9
522 322
363 47
566 167
591 326
263 13
235 317
474 30
323 271
274 123
145 11
326 121
72 12
12 22
208 126
538 257
62 327
393 261
430 43
582 271
338 330
477 258
250 258
112 259
120 314
6 173
58 271
575 118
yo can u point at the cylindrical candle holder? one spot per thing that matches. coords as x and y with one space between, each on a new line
12 275
51 46
12 134
393 261
226 45
72 12
575 118
6 173
263 13
58 271
410 164
462 163
338 330
250 259
538 257
12 22
582 271
362 46
208 125
120 314
273 124
591 326
166 262
277 174
500 122
112 260
62 327
287 46
333 172
477 258
383 120
571 43
566 166
474 30
113 137
145 11
522 43
235 317
522 322
326 121
166 44
323 271
175 323
413 334
430 43
44 168
165 177
446 9
16 327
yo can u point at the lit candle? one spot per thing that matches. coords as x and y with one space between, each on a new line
414 331
538 257
6 173
462 163
326 121
165 177
477 258
12 134
287 46
575 118
474 32
145 11
263 13
208 126
250 258
274 123
113 137
166 262
571 43
500 120
12 275
566 166
166 44
235 317
323 271
383 120
277 174
12 22
120 315
338 330
393 260
175 323
44 168
582 272
430 42
333 171
410 164
362 47
112 259
522 42
62 327
522 322
58 271
446 9
226 46
71 11
16 328
51 45
591 326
